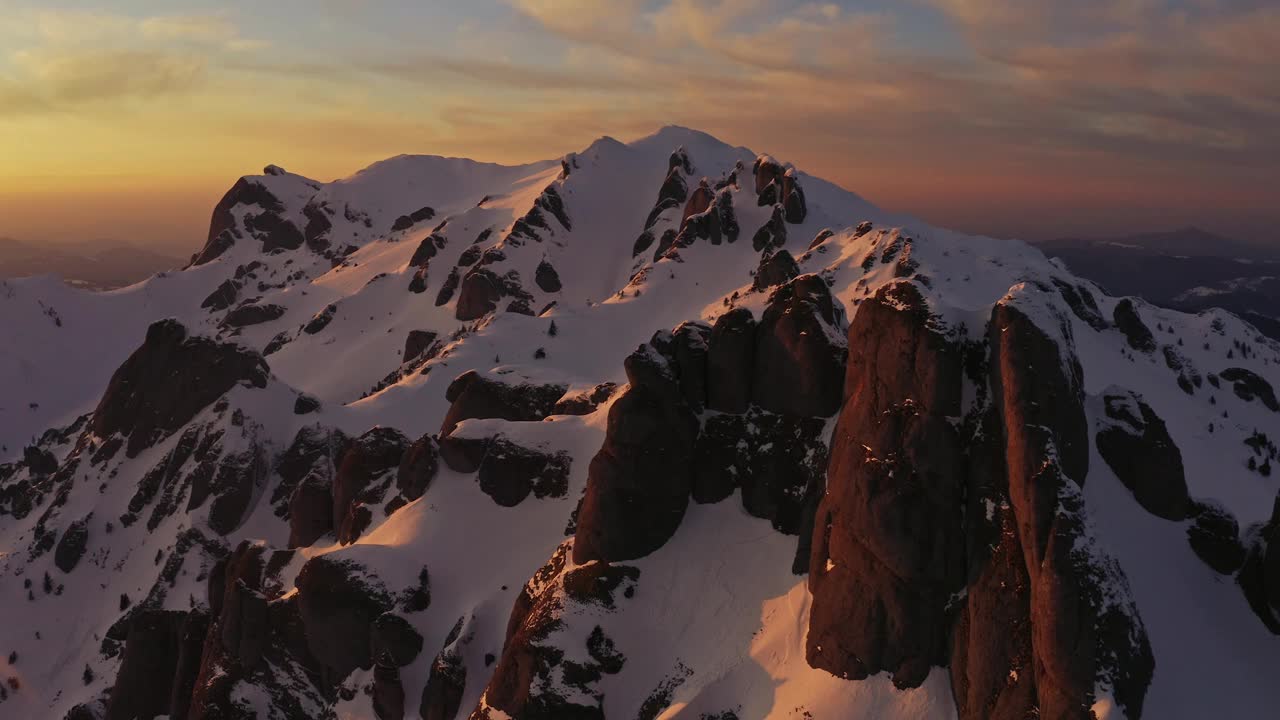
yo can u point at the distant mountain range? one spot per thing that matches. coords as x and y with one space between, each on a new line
99 264
1188 269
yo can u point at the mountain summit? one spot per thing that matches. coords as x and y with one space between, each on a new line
660 429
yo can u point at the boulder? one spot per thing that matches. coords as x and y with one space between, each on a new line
473 395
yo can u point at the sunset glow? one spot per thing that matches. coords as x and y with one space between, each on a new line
1035 119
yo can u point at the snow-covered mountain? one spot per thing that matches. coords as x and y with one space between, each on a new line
665 429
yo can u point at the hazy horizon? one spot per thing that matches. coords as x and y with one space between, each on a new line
1011 119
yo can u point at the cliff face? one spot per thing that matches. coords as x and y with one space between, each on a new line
555 441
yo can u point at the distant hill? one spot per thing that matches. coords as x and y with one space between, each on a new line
1188 241
1189 269
101 264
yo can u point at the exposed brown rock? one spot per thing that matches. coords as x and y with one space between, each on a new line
775 269
310 510
773 234
167 380
251 313
887 553
1129 322
731 361
144 684
473 395
638 484
364 466
338 602
222 226
800 352
510 472
418 467
222 297
586 401
417 343
479 295
1134 441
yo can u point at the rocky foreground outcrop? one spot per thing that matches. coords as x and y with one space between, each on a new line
167 380
942 535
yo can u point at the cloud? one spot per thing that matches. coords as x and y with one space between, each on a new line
205 29
64 60
75 77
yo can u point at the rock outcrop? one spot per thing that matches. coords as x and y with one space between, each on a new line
338 603
932 547
1136 444
799 365
473 395
638 484
223 231
362 479
418 467
169 379
535 679
887 552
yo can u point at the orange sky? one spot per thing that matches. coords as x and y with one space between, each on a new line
1011 117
